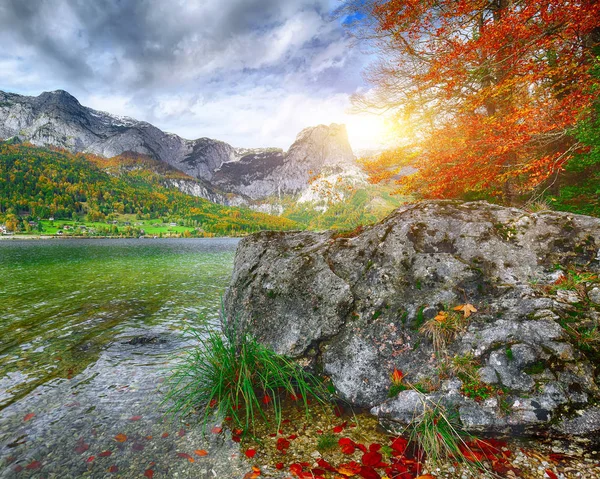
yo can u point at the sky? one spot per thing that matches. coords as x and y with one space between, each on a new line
252 73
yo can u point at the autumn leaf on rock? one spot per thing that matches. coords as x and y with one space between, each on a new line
149 473
250 453
120 437
467 309
441 317
113 469
105 454
200 452
216 430
135 418
29 416
185 455
397 377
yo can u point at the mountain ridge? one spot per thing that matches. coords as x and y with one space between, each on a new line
225 174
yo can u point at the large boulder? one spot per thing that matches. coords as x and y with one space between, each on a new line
353 306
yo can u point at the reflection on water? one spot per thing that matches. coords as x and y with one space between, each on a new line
63 301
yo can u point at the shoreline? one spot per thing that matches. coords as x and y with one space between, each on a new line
55 237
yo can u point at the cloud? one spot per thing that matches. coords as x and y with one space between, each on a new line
240 69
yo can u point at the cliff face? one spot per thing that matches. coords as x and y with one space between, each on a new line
359 306
58 119
317 150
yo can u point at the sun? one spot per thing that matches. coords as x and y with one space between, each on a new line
367 131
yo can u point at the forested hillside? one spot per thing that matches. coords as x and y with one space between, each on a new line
38 183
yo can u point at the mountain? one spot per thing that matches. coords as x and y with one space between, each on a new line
57 119
318 171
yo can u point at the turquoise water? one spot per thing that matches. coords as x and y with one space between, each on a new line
63 301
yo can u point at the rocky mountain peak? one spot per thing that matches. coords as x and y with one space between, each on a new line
322 146
57 118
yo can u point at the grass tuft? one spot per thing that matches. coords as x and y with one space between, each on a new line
327 442
441 440
230 374
443 329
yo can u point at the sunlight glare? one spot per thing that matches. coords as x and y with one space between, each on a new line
367 131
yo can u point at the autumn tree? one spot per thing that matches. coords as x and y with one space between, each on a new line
489 90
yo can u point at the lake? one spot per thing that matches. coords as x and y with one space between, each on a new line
88 331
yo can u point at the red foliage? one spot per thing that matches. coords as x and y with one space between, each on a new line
347 445
493 87
282 445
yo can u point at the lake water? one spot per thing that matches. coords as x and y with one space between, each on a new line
88 331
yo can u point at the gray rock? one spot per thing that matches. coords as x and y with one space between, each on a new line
353 307
594 295
585 422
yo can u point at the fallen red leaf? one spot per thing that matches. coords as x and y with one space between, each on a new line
164 435
149 473
551 474
217 430
135 418
250 453
81 446
282 444
120 437
372 459
113 469
90 459
347 445
200 452
185 455
105 454
399 445
29 416
33 465
367 472
340 428
325 465
279 466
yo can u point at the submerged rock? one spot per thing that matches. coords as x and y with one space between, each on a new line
353 306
